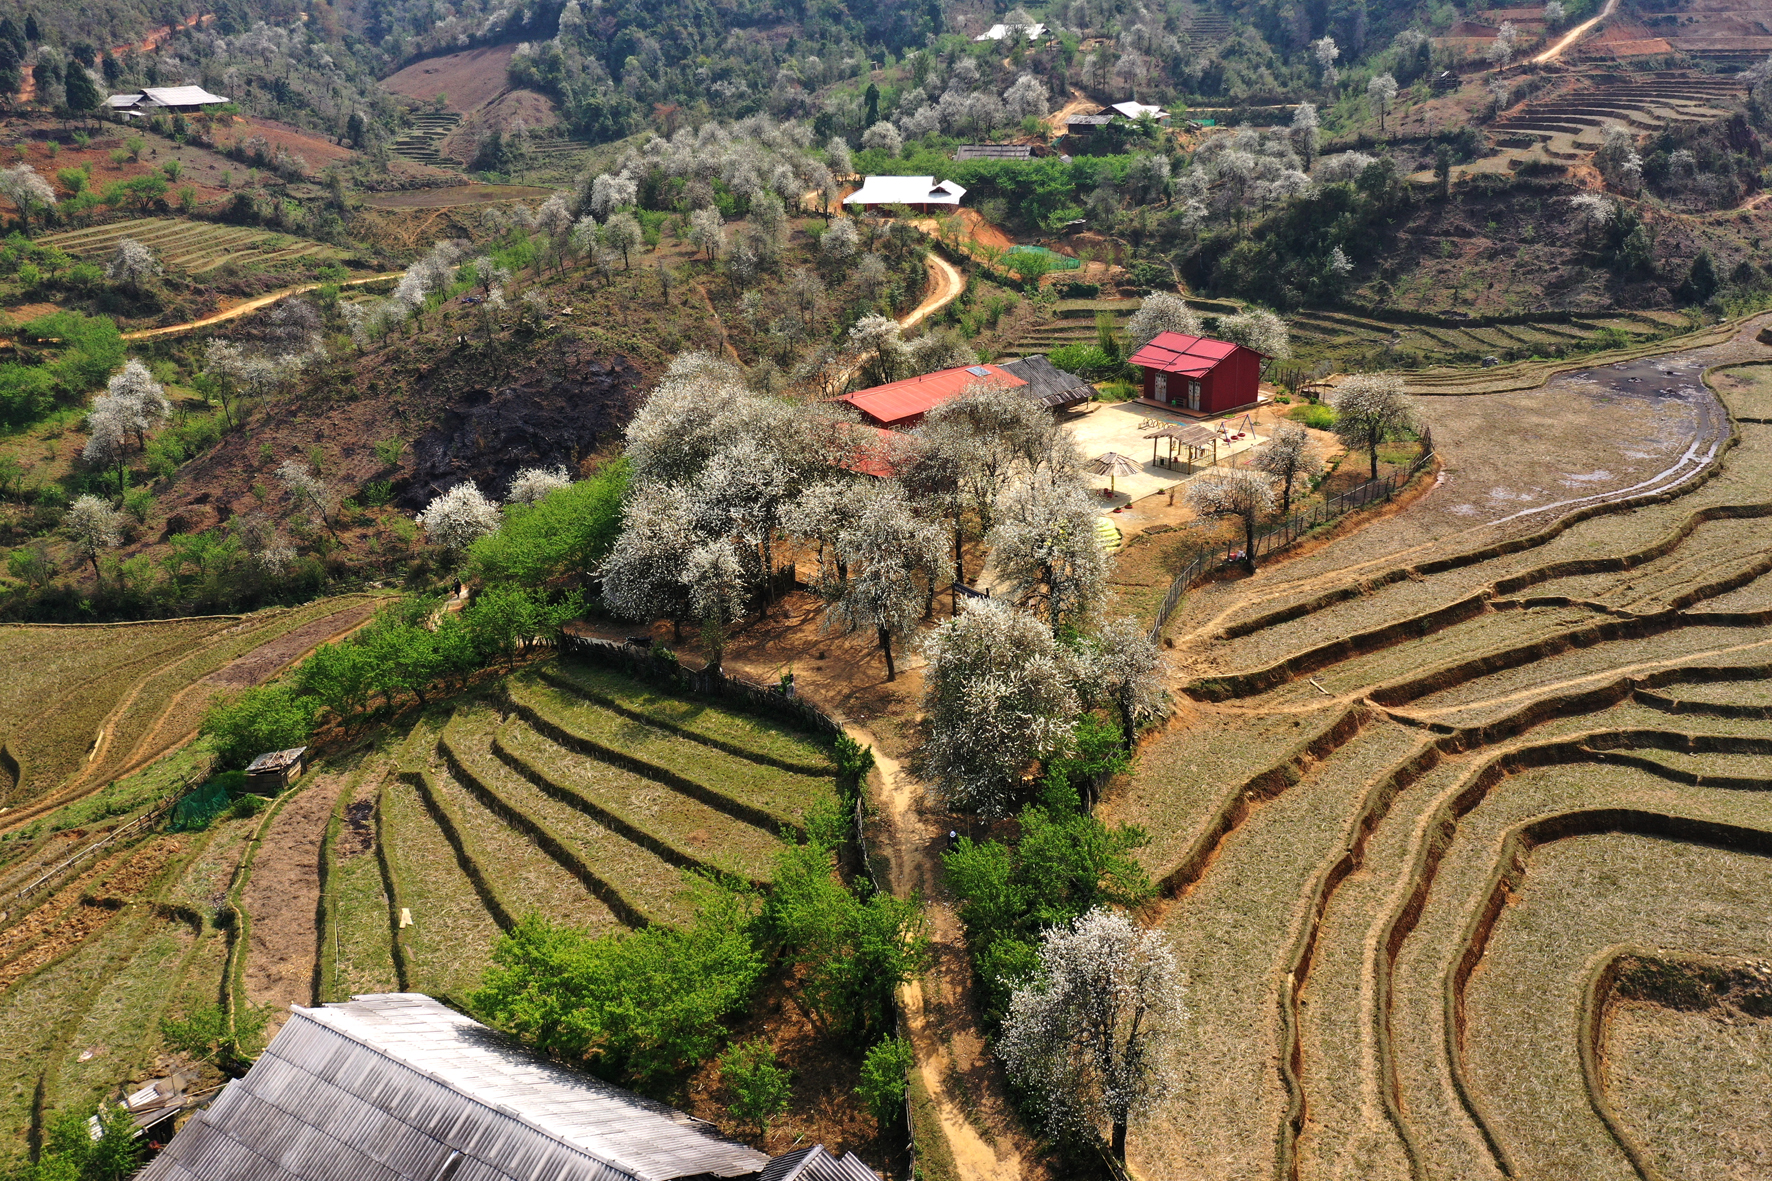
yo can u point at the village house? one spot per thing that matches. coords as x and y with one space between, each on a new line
1198 375
922 193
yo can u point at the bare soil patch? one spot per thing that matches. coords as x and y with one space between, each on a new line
466 80
453 195
282 898
269 659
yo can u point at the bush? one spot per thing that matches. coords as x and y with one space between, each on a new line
1088 361
562 534
760 1088
884 1074
1314 415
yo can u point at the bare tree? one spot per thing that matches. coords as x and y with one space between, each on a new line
310 492
94 526
1287 458
1371 408
1091 1035
1239 493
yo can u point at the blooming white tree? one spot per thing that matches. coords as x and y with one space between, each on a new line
27 191
1501 50
93 526
1288 459
311 493
1045 548
1555 14
622 232
460 517
1369 409
1237 492
135 400
893 562
1026 96
998 699
643 574
1091 1035
1259 329
989 434
1342 167
706 230
1122 665
1594 210
132 264
719 591
107 441
535 483
883 137
837 157
1326 52
1160 312
1382 90
609 193
1304 131
841 241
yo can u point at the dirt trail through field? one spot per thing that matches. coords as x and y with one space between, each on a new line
1573 35
282 898
963 1081
247 308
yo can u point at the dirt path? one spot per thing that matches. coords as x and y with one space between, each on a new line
282 899
1573 35
945 285
963 1081
247 308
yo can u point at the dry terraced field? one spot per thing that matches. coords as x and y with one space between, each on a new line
1432 783
571 791
192 246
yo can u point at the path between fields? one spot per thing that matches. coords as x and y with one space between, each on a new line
282 898
1574 35
247 308
964 1084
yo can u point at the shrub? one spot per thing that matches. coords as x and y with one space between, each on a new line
760 1087
884 1074
1089 361
1315 416
269 717
562 534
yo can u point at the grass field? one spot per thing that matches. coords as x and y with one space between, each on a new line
193 246
1414 802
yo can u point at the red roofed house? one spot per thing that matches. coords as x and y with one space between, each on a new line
1198 375
903 404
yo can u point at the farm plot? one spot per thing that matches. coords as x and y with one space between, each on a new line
1385 740
192 246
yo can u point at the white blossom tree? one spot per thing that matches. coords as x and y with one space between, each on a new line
1259 329
1237 492
719 591
883 137
706 230
1501 50
837 157
1371 408
312 493
536 483
93 526
1160 312
132 264
985 437
1288 459
1092 1033
1121 665
138 402
622 232
1045 548
841 241
609 193
1025 97
998 699
28 192
643 574
460 517
1382 90
107 441
1304 132
1326 52
893 563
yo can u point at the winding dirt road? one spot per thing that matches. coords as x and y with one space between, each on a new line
247 308
1573 35
945 284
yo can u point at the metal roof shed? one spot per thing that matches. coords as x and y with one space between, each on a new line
919 192
1049 385
904 403
396 1087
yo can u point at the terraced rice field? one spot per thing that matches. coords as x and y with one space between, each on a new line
1434 784
193 246
572 791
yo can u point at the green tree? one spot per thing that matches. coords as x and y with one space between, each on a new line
760 1087
563 534
84 96
265 718
1443 170
640 1005
885 1072
72 1153
1701 281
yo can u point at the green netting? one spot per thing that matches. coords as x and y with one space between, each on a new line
196 810
1055 261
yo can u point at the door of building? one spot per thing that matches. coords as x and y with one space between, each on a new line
1193 394
1161 387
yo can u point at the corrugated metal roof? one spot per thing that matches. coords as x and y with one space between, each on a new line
1049 385
1133 110
998 32
817 1164
994 152
1175 352
901 401
276 760
389 1086
905 190
181 96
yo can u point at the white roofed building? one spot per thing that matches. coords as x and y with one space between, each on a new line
999 32
922 193
1135 110
184 100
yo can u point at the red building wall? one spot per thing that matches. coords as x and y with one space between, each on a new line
1233 382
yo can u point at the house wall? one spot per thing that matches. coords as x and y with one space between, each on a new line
1233 382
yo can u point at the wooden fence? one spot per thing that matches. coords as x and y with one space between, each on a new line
1272 538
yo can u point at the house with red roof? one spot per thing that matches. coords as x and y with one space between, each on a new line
902 404
1198 375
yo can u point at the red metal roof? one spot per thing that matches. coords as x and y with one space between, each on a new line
902 401
1174 352
873 450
